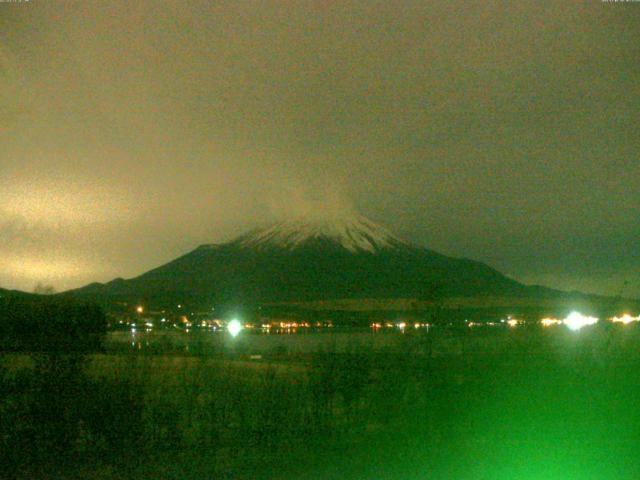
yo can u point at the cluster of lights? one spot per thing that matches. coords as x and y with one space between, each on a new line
481 324
512 322
625 319
549 322
294 324
400 325
574 321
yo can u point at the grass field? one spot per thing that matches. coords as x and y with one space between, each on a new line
524 403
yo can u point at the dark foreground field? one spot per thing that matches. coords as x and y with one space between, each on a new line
545 404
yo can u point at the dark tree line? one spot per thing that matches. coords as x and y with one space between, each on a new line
47 410
50 325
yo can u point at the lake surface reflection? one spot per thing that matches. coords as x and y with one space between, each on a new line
338 340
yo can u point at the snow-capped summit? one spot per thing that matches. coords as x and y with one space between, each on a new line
353 232
321 256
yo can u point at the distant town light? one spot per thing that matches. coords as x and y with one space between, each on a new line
625 319
575 321
512 322
234 327
140 309
548 322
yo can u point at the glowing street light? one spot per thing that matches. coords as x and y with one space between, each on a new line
575 321
234 327
140 309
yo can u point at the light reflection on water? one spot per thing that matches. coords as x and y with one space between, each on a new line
421 341
330 340
285 342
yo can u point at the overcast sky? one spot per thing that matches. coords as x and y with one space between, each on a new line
507 132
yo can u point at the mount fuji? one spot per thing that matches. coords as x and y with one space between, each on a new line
356 234
349 257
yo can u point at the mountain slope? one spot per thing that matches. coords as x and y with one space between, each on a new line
6 294
351 257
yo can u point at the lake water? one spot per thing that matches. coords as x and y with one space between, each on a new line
329 340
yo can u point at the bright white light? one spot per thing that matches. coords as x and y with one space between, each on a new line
401 325
512 322
234 327
575 321
626 318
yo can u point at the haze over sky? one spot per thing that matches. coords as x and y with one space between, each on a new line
507 132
